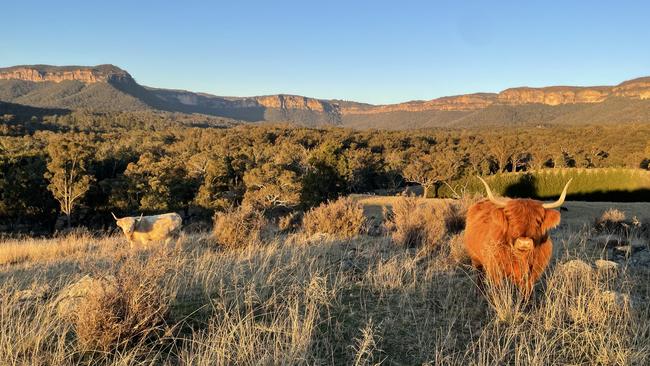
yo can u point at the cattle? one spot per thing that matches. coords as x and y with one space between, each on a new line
509 238
146 229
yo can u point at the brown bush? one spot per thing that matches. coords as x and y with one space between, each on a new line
126 307
239 227
290 222
613 221
611 215
415 221
342 218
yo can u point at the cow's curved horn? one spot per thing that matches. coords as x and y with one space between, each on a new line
560 200
140 218
115 217
497 202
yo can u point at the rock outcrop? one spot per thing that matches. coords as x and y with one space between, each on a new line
107 87
552 96
84 74
292 102
636 88
555 95
466 102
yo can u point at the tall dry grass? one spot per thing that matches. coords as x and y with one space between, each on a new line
338 301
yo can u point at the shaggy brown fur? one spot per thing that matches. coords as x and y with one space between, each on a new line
510 242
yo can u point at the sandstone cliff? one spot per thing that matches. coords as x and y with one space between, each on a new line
84 74
555 95
636 88
552 96
466 102
107 87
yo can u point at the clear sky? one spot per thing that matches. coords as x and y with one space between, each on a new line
368 51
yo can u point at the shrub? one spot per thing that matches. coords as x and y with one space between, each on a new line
343 218
415 221
612 215
614 222
125 308
290 222
239 227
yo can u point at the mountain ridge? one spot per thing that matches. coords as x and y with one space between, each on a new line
108 87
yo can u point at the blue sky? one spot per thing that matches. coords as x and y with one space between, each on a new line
368 51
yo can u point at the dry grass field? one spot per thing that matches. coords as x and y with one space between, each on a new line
305 298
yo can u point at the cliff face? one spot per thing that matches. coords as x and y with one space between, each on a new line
43 73
292 102
553 95
108 87
636 88
467 102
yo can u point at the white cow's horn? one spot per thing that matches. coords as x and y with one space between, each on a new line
560 200
497 202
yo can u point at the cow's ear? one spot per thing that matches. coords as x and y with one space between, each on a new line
551 219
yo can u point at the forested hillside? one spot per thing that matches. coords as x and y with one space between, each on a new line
134 162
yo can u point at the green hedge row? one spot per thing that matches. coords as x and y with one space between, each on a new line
606 184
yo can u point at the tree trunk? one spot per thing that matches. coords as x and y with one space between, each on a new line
436 187
68 219
426 188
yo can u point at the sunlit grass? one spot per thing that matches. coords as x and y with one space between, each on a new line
304 299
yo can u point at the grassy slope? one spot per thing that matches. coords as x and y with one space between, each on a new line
302 300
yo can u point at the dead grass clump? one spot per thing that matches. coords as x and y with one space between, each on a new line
127 308
342 218
290 222
258 329
580 318
239 227
366 347
612 215
416 222
613 221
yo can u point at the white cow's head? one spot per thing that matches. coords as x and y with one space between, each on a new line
127 224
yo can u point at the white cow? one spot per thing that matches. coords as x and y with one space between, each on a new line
145 229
